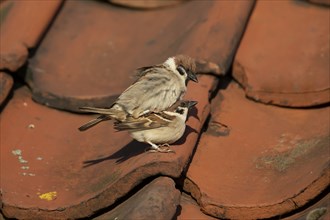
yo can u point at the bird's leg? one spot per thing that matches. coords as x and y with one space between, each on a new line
154 148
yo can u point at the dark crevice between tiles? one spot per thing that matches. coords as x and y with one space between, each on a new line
33 50
18 78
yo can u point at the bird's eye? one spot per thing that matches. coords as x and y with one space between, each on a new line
181 70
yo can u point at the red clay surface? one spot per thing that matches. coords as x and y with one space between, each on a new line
257 161
254 161
87 171
284 60
22 25
90 53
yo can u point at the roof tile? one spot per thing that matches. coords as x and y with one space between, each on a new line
257 161
156 200
22 25
89 55
85 171
286 63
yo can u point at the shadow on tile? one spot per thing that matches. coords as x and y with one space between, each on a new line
133 149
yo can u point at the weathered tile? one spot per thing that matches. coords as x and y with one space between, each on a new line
157 200
22 25
190 210
44 156
143 4
283 58
90 53
6 83
257 161
317 211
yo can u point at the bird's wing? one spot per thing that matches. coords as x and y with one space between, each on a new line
156 90
151 121
104 111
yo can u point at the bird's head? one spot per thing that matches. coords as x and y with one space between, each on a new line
184 66
184 107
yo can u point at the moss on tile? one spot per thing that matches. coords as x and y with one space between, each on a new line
281 161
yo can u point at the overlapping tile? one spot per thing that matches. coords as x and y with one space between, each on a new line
6 84
257 161
284 60
60 172
22 25
89 55
320 211
190 210
157 200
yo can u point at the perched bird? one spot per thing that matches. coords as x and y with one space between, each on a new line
157 88
162 128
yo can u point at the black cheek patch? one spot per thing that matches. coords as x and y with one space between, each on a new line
180 111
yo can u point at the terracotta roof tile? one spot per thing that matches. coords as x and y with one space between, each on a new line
156 200
87 171
89 55
22 25
257 161
190 210
283 58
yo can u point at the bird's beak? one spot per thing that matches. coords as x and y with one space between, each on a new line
191 104
192 76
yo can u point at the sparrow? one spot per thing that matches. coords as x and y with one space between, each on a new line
157 88
158 129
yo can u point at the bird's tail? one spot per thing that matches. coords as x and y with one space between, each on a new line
94 122
105 114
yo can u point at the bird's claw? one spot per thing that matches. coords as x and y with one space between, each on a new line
164 148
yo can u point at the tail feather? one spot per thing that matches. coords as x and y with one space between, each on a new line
94 122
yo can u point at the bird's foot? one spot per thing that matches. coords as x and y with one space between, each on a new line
163 148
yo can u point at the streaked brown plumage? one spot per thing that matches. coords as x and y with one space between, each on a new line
162 128
157 89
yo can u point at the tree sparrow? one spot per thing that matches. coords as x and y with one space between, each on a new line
162 128
157 88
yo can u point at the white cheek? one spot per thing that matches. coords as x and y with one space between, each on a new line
171 63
